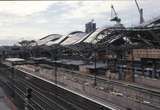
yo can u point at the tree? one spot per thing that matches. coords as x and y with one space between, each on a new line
27 46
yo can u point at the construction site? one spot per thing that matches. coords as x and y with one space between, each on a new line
103 68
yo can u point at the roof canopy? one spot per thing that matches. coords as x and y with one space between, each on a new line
51 37
99 34
58 41
73 38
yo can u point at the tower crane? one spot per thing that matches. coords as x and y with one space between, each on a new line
115 16
140 12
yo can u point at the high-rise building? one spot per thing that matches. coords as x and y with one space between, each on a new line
90 27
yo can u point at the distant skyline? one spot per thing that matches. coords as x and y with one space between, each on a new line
35 19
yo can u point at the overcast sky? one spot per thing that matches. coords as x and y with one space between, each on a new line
35 19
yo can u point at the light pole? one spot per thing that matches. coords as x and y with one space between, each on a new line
95 66
28 96
13 78
55 64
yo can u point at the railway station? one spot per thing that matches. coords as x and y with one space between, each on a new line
101 68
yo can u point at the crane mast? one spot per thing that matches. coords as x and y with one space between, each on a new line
115 17
140 10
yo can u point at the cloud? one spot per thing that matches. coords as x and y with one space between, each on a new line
24 8
36 19
87 9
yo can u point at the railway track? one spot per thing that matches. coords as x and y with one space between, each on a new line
49 94
43 97
34 82
106 82
117 83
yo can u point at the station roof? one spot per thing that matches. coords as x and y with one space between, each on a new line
58 41
97 35
73 38
151 22
48 38
83 38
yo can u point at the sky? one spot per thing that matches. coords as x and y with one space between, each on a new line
21 20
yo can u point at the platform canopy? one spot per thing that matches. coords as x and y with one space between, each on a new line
14 59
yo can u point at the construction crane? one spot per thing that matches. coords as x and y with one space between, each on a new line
115 16
140 12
